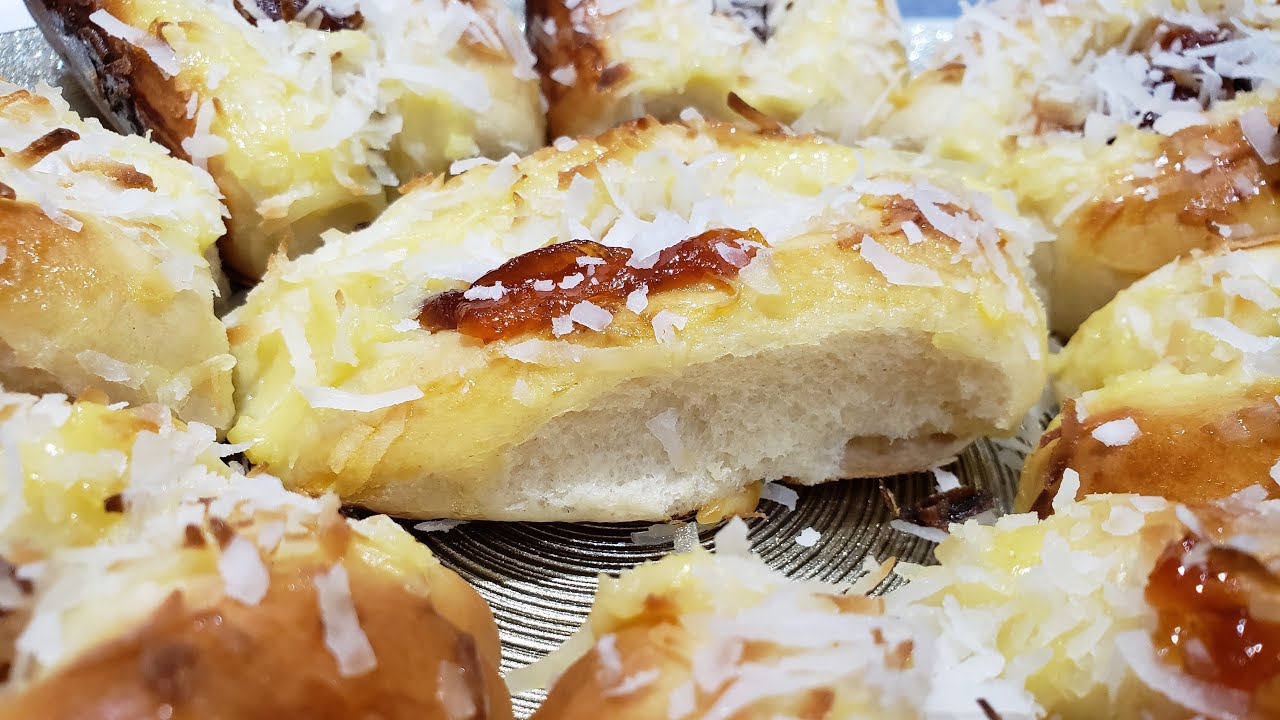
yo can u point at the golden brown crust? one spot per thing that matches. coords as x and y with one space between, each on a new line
269 661
582 692
1134 225
129 89
59 289
46 262
1193 454
1188 206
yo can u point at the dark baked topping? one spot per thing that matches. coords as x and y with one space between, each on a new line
288 10
7 193
10 571
126 176
1068 436
611 76
1188 83
466 655
1205 624
546 283
987 711
761 121
956 505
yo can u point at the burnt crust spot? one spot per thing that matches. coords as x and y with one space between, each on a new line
612 75
113 503
939 510
288 11
467 656
10 571
124 175
756 117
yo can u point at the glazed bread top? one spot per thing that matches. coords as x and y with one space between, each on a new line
303 113
1186 438
141 572
1216 313
1045 71
109 268
479 307
818 65
78 173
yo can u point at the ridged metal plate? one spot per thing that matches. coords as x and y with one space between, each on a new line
540 578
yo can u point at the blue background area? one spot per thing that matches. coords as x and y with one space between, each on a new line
929 8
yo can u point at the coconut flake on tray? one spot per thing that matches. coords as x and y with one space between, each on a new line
924 533
438 525
779 493
808 537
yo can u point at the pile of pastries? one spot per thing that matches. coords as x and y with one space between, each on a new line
639 260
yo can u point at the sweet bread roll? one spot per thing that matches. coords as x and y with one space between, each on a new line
697 635
144 578
818 65
1215 313
1187 438
1115 607
108 270
1138 131
302 112
641 326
